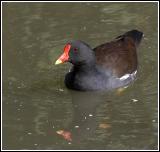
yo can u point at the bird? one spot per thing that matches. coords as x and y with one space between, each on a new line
108 66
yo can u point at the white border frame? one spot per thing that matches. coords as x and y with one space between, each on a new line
81 2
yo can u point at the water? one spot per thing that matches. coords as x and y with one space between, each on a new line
36 103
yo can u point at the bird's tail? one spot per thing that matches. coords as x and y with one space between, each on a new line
135 35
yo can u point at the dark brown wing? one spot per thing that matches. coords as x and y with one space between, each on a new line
119 56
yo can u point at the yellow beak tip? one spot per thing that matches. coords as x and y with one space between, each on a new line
58 62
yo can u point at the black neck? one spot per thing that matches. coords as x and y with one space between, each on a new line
85 67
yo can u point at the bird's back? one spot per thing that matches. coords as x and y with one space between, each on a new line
119 55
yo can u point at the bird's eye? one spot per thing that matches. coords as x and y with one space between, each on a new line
75 49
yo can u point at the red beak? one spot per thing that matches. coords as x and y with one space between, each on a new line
65 56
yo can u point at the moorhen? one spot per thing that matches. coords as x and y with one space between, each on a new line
108 66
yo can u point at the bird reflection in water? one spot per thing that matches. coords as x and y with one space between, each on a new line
84 122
